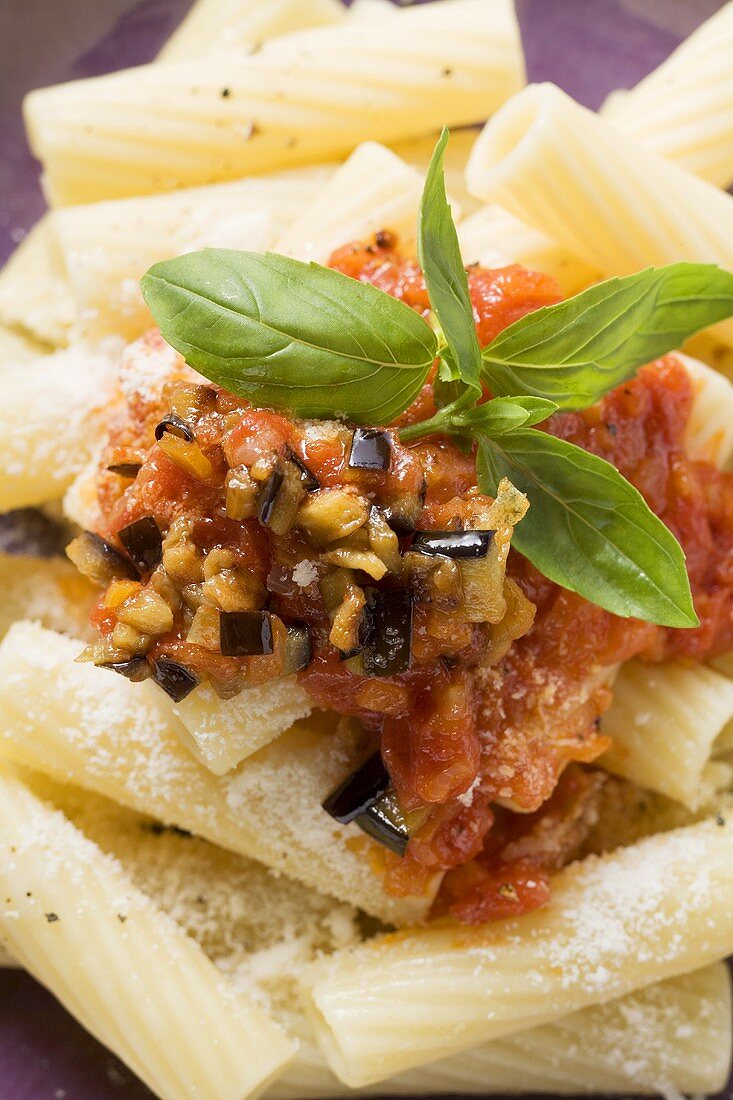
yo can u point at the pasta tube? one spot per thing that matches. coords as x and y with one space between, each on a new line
373 190
673 1036
73 919
35 295
108 246
615 923
683 110
213 25
418 151
16 348
493 237
709 436
664 721
302 98
564 170
49 590
52 424
83 725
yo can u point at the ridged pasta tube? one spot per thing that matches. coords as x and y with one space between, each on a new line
604 197
683 110
121 966
303 97
214 25
84 725
35 295
614 924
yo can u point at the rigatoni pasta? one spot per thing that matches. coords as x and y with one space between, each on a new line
214 25
561 168
683 110
302 98
35 295
88 727
615 924
122 967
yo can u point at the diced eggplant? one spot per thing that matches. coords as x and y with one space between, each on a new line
245 633
383 822
175 679
176 426
125 469
453 544
143 541
268 496
403 513
371 449
135 669
359 791
298 649
388 650
98 560
308 479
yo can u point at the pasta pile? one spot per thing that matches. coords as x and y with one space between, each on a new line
168 871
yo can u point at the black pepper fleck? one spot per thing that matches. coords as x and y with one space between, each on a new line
612 429
225 93
447 71
52 917
121 918
719 819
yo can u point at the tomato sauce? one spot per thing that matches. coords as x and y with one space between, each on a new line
490 757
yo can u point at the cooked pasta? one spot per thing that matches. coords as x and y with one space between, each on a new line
614 924
683 110
108 246
302 98
16 349
49 590
418 151
73 919
562 169
222 732
664 721
710 429
51 424
493 237
83 725
213 25
35 296
373 190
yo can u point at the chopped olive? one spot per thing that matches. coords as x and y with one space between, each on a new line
175 680
453 544
388 649
298 649
136 669
308 479
99 561
143 541
371 449
245 633
268 496
383 822
125 469
176 426
359 791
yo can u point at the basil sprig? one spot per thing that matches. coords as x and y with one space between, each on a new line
303 337
300 336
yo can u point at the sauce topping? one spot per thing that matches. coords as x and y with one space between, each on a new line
481 682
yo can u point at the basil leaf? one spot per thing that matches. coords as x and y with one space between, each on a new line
576 351
280 332
445 275
505 414
588 529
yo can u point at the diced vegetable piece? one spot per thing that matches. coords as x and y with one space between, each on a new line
241 493
308 479
453 544
187 455
384 541
280 498
403 513
136 669
359 791
147 612
143 541
371 449
99 561
346 624
383 822
176 426
125 469
389 648
245 633
268 496
175 680
298 649
332 514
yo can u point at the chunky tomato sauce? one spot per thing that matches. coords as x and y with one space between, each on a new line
488 754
